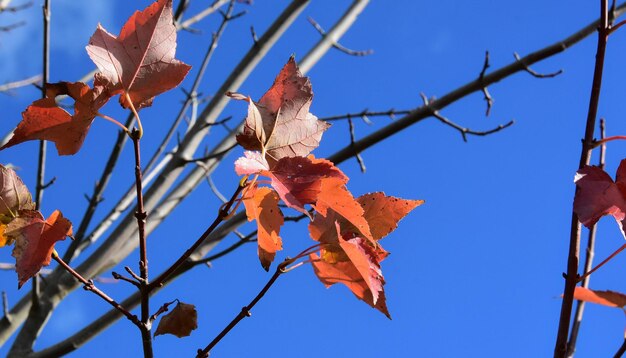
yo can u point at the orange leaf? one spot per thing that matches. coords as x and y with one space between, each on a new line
334 195
180 322
347 273
262 205
280 122
606 298
347 257
140 61
45 120
34 240
383 212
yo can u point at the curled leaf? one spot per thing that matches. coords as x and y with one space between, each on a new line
14 195
180 322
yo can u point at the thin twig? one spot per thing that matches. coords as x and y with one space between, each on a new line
141 216
336 43
537 74
245 311
215 190
5 306
223 213
571 277
89 286
6 8
622 349
591 241
21 83
202 14
96 198
359 159
244 240
365 114
484 89
463 130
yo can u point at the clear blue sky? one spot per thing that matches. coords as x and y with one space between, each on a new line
476 271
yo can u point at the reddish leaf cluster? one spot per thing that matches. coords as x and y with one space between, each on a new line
282 132
34 237
138 65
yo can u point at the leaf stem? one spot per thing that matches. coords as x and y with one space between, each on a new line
608 139
114 121
132 108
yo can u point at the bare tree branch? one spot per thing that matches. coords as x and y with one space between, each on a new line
21 83
336 44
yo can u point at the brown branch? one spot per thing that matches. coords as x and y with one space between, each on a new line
622 349
141 216
223 213
336 43
365 114
463 130
6 87
359 159
89 286
534 73
486 94
571 277
591 240
245 311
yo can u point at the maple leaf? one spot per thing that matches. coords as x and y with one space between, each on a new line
281 122
180 322
34 240
14 196
140 61
605 298
45 120
298 180
262 205
599 195
348 256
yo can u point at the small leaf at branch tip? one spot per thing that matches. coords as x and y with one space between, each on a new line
180 321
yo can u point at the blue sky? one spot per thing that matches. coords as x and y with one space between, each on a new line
476 271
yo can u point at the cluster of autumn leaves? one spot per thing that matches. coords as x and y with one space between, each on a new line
279 134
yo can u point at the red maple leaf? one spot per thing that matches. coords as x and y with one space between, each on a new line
140 61
599 195
262 205
281 122
45 120
34 240
350 258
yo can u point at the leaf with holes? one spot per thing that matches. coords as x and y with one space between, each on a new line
281 122
45 120
140 61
